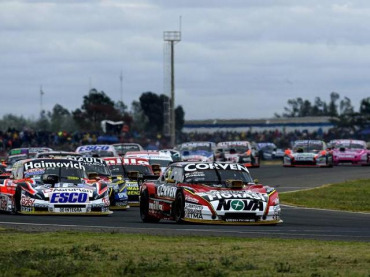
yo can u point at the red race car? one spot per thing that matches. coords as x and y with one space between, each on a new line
215 193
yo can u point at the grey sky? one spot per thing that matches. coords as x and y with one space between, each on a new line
237 59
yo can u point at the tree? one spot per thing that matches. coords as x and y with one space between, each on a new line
13 122
179 118
152 106
61 119
319 108
333 107
97 106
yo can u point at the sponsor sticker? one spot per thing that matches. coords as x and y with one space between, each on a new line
71 210
219 166
27 201
193 211
52 164
166 191
239 205
69 197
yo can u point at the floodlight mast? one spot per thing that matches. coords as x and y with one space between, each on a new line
172 37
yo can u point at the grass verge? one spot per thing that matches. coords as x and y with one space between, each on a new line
347 196
93 254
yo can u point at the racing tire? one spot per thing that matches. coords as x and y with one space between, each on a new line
17 200
330 162
144 208
178 212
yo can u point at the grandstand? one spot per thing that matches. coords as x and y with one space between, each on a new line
311 124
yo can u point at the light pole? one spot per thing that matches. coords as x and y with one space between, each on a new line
41 106
172 37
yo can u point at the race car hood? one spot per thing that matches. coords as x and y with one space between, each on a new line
236 201
77 190
67 190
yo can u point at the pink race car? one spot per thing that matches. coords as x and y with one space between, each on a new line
350 151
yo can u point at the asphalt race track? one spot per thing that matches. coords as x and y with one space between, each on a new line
298 222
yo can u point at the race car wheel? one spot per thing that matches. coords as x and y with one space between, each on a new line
144 208
329 161
112 200
179 205
17 199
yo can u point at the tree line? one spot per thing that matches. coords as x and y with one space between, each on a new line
145 117
341 111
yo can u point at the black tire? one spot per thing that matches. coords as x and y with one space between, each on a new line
330 161
178 211
112 200
144 208
17 199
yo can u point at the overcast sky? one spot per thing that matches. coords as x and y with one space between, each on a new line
237 59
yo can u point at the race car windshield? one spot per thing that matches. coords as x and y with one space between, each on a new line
122 149
140 168
196 148
350 145
308 147
116 170
241 148
102 153
66 175
268 147
162 163
101 169
12 160
216 178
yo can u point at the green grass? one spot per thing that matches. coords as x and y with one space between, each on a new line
113 254
347 196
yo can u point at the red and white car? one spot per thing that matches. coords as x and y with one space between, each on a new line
238 152
308 153
214 193
154 158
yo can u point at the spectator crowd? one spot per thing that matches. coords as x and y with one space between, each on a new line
13 138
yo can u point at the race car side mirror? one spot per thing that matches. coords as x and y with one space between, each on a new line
133 175
156 167
234 184
50 179
93 176
171 181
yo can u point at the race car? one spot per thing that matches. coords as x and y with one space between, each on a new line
12 159
57 154
308 153
97 169
201 151
53 186
154 157
269 151
122 148
131 173
101 150
238 152
29 151
349 151
215 193
175 154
